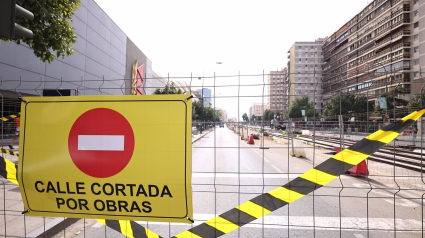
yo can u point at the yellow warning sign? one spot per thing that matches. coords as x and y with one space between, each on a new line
110 157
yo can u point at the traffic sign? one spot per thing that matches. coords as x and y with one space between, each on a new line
374 120
105 136
387 116
109 157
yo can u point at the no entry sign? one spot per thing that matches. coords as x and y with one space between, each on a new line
101 142
111 157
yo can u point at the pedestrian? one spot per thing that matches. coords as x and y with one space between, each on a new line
415 131
17 130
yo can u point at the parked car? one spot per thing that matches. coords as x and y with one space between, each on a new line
277 125
222 125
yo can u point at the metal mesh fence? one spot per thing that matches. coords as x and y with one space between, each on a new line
237 158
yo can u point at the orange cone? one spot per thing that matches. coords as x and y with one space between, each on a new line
360 169
251 139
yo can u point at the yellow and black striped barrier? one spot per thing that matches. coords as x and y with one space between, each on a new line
8 170
272 200
8 152
301 186
131 229
11 117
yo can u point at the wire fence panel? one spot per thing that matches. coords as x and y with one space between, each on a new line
252 135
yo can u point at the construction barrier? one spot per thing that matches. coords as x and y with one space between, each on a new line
277 198
301 186
11 117
9 152
8 170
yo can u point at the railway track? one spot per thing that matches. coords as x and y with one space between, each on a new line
399 157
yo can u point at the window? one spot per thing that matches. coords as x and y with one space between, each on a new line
416 61
416 37
416 74
416 24
415 1
415 13
416 49
312 47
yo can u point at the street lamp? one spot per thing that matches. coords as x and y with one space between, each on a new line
202 91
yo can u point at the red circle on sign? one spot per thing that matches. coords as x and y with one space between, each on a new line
101 142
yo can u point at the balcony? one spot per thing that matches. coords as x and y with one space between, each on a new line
383 52
386 40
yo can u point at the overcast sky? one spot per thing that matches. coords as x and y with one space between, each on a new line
189 36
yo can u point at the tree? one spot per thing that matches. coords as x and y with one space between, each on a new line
269 115
252 117
393 102
53 35
294 111
350 105
168 89
393 97
245 117
415 103
205 113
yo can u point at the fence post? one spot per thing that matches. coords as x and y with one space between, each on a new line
341 131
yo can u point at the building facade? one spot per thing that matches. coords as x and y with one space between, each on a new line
206 96
380 48
258 109
105 62
305 71
223 114
278 90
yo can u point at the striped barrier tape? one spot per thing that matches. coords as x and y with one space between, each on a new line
11 117
8 170
131 229
272 200
301 186
9 152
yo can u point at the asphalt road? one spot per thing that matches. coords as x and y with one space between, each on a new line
228 172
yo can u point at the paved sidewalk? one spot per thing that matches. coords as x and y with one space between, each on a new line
198 136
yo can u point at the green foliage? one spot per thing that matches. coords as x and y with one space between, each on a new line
53 35
269 115
350 104
393 102
415 103
245 117
168 89
255 118
294 111
205 113
393 98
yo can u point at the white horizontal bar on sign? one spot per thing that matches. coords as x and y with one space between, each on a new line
101 142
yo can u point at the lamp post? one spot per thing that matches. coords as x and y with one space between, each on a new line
202 93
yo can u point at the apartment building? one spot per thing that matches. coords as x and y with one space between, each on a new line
305 71
258 109
380 48
278 90
223 114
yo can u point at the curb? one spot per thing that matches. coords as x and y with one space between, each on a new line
201 136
